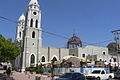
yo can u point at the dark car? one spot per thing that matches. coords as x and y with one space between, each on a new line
72 76
117 74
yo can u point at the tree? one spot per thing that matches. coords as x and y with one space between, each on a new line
8 50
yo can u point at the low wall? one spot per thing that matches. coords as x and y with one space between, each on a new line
81 70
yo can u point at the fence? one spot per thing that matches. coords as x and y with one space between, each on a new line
86 71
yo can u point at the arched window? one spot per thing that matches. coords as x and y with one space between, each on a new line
36 23
83 55
54 59
33 34
20 34
103 53
32 59
31 23
43 59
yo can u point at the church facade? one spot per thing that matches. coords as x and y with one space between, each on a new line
29 39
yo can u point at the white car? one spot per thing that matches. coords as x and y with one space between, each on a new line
100 74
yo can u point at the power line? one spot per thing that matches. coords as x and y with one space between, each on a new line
57 35
7 19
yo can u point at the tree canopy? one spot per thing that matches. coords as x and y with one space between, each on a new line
8 50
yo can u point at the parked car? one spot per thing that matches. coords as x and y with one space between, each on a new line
100 74
72 76
117 74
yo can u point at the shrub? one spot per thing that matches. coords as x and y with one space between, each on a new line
39 71
49 71
13 68
31 69
8 71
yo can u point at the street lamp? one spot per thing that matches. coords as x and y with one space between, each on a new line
52 68
117 39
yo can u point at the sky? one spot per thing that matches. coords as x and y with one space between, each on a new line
91 20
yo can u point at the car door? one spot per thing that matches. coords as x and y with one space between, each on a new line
75 76
79 76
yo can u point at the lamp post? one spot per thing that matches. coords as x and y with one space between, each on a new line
117 39
52 68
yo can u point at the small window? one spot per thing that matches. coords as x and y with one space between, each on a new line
103 53
43 59
36 23
33 34
100 59
83 55
110 60
31 23
115 60
32 59
33 43
20 34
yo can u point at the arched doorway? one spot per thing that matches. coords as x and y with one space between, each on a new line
32 60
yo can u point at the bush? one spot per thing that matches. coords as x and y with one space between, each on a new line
8 71
27 69
13 68
39 71
49 71
31 69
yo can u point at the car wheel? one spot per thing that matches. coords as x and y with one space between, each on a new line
98 78
110 78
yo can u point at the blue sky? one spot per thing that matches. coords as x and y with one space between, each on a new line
91 20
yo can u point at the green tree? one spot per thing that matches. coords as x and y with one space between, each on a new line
8 50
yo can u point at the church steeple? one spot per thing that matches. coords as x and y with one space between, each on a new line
22 17
33 2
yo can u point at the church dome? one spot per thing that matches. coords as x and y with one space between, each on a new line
74 42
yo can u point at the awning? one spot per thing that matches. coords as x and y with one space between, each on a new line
82 60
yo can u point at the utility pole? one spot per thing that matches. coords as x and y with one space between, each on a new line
117 39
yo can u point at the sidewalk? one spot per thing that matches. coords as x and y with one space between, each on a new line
29 76
23 76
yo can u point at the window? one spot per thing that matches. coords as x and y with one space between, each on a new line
32 59
36 23
115 60
43 59
33 34
54 59
31 23
103 53
20 34
102 72
100 59
110 60
33 43
83 55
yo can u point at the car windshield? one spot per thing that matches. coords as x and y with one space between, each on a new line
66 75
96 72
118 70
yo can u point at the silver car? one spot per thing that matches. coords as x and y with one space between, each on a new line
117 74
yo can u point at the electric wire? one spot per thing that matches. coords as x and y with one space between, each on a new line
57 35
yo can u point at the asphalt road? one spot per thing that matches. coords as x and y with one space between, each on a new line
112 79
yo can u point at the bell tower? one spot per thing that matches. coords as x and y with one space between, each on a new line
32 35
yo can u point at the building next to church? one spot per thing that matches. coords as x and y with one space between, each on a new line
29 39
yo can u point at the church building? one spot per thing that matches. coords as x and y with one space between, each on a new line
29 39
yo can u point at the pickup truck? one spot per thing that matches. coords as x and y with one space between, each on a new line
100 74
